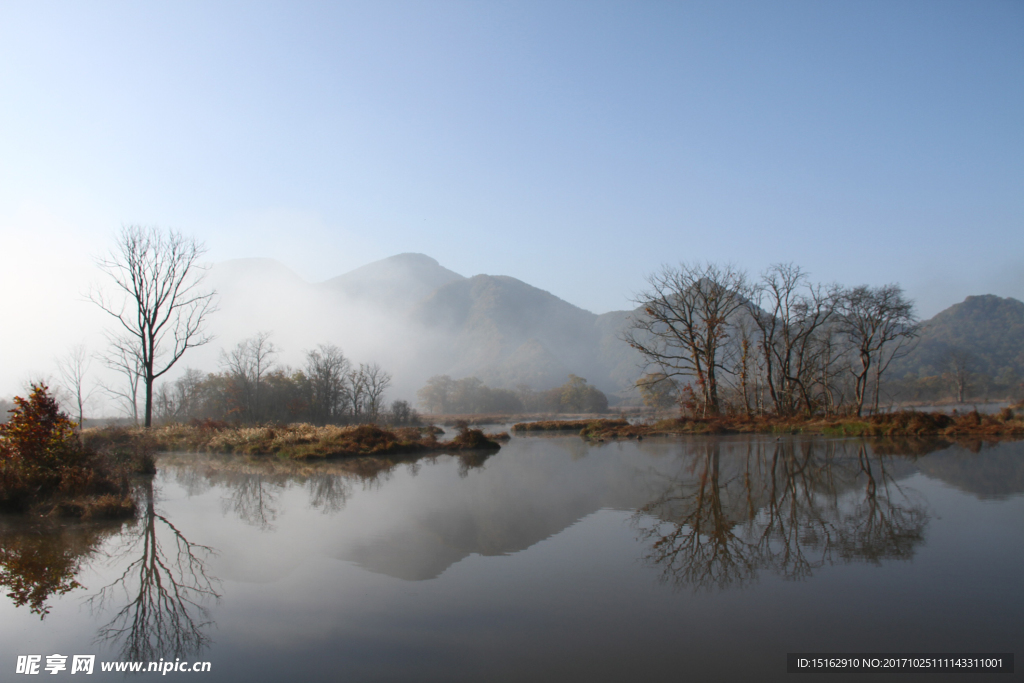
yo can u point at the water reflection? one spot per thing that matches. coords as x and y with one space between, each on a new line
711 513
40 560
162 597
254 485
253 498
790 507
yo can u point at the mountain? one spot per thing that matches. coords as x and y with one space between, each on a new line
417 319
507 332
988 327
397 283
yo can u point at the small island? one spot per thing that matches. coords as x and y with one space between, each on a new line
48 467
300 441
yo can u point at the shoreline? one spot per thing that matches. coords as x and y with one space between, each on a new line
1007 423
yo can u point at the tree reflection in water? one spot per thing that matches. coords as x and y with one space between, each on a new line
254 484
790 507
253 498
472 460
38 561
166 590
328 492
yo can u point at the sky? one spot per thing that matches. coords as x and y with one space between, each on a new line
577 146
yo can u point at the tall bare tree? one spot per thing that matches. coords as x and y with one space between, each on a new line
789 313
685 325
879 323
160 303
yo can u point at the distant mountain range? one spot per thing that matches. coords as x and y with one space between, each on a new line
417 319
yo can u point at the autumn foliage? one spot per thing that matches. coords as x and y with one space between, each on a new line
43 464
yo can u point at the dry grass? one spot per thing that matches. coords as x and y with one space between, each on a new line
569 425
301 441
1007 423
454 419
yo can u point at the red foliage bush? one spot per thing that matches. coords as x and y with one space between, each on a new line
42 458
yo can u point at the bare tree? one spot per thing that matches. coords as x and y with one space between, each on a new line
326 367
878 323
354 392
960 360
831 361
789 313
376 382
160 303
72 368
684 328
187 394
123 357
248 363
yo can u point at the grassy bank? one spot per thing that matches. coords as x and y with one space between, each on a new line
1007 423
475 419
569 425
304 441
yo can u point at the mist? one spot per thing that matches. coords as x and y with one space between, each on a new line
407 313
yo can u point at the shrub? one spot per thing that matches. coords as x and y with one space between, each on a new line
43 461
130 448
38 440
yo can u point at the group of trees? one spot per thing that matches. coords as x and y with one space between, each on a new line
717 341
443 395
160 308
253 389
711 338
958 379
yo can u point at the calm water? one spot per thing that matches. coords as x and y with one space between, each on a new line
681 559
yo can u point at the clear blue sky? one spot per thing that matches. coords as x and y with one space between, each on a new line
574 145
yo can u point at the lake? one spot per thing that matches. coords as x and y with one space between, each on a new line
703 558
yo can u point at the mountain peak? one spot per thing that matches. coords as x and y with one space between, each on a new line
402 279
411 258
